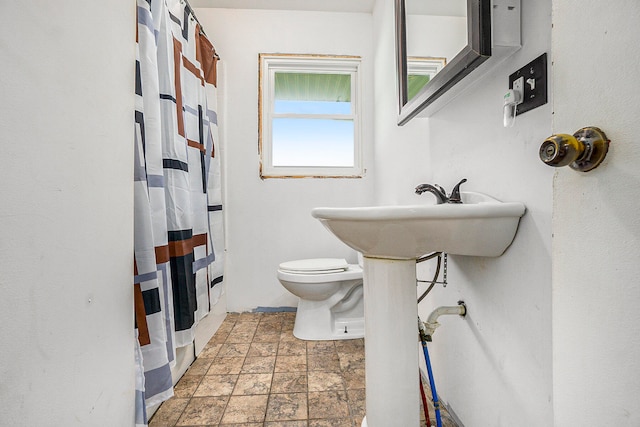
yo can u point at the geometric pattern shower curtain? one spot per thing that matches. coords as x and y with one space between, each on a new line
179 240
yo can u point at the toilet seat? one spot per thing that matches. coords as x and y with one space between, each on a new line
319 270
315 266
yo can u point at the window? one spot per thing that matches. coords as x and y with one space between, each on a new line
309 116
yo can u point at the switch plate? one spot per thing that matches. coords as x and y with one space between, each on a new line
534 92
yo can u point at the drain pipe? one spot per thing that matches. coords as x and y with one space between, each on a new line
432 321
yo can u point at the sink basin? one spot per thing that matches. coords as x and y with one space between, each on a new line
480 226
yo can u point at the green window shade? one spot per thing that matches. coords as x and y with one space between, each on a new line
415 83
313 87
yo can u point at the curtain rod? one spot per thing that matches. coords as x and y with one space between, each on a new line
193 14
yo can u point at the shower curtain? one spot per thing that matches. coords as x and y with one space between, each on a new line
177 190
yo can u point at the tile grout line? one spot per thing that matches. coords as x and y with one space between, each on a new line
243 360
308 388
273 371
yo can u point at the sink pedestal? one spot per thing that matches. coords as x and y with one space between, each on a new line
391 343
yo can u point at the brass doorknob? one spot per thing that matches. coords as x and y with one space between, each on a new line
582 151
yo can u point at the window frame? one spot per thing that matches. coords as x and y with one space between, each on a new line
269 64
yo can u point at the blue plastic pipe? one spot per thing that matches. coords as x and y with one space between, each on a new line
432 383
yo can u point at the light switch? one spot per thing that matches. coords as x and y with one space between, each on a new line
533 80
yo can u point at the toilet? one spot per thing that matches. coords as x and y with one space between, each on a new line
331 304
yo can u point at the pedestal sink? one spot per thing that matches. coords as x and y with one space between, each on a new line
391 238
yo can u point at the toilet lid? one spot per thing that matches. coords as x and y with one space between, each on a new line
315 266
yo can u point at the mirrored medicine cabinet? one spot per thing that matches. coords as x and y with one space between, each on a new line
443 46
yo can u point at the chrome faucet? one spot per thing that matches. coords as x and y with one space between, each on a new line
440 193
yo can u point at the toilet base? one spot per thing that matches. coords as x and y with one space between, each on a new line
354 330
316 322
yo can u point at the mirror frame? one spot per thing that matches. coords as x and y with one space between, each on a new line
477 50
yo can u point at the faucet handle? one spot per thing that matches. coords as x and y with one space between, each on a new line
455 193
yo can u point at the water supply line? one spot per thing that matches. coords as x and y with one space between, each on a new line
442 256
432 382
435 276
427 257
432 321
425 405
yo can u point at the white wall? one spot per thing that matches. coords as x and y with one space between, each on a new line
269 221
66 213
494 367
401 155
596 292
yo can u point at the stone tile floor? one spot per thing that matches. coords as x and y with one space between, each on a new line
255 373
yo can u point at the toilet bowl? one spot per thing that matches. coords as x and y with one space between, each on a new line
331 305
